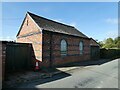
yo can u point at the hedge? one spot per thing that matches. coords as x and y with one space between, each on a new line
110 53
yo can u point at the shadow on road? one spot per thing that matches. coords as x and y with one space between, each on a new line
47 80
87 63
19 79
61 75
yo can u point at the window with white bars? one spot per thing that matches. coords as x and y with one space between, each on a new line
63 48
81 47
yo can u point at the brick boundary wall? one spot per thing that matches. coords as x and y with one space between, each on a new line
3 52
3 57
1 71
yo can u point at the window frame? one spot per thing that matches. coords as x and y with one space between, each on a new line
63 52
81 49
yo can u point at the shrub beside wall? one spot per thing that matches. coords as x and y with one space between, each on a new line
109 53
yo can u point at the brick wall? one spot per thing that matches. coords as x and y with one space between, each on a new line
30 33
1 76
41 44
2 57
73 53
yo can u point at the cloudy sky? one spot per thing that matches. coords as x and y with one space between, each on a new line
96 20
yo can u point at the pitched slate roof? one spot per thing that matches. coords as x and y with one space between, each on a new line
50 25
93 42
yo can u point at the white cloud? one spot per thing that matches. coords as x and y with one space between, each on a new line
58 20
45 9
119 33
112 20
61 21
73 24
112 34
8 38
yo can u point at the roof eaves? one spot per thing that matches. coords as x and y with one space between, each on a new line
81 33
51 20
34 22
95 41
66 34
21 26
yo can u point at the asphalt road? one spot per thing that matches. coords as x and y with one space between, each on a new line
95 76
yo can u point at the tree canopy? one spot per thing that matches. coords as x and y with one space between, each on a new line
110 43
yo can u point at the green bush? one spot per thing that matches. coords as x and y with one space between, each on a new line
110 53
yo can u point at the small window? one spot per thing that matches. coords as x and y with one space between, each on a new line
81 47
27 22
63 48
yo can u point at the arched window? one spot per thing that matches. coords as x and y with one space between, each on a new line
81 47
63 47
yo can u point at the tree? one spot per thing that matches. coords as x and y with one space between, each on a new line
110 43
118 44
101 44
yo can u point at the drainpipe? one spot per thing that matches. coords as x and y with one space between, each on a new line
50 65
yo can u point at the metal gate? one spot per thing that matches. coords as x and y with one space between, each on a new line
18 57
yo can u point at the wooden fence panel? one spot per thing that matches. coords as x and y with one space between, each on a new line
18 57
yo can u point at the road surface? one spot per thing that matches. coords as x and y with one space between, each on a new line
95 76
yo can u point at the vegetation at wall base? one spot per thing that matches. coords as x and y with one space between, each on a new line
109 53
110 48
